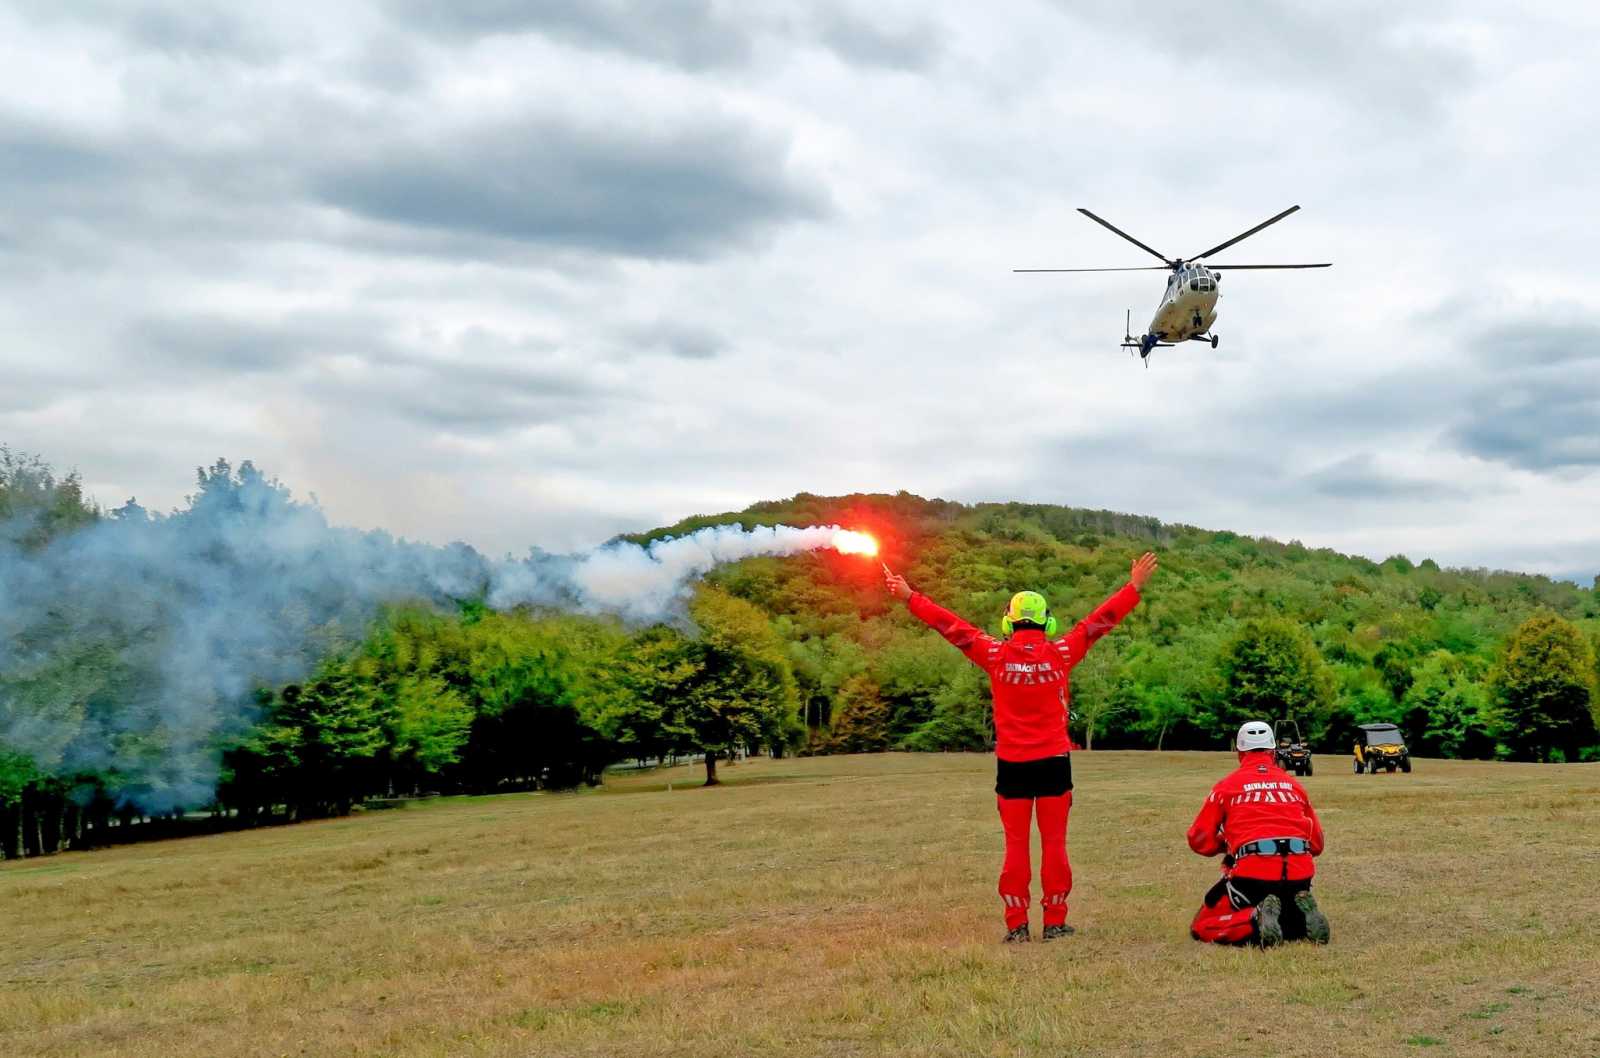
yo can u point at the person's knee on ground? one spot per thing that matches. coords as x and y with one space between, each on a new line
1224 917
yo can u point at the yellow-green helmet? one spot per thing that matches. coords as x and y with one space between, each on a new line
1028 606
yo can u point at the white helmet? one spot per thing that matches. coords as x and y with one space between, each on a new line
1254 735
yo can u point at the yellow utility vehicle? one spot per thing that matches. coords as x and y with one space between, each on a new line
1380 747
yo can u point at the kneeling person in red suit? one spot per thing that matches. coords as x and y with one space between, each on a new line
1261 820
1028 673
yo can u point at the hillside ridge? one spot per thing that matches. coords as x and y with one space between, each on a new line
808 508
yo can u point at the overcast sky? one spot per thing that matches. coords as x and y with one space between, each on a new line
539 272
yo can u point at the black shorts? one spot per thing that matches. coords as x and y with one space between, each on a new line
1248 892
1050 777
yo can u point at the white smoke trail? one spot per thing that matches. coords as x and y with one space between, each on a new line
132 645
643 583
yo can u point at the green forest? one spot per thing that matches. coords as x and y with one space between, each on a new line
807 654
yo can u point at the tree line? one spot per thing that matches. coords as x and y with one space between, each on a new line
809 655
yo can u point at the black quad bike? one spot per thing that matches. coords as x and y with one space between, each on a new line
1380 747
1293 752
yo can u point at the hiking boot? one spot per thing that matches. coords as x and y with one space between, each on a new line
1317 930
1019 935
1269 931
1057 932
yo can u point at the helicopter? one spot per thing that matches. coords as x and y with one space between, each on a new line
1189 306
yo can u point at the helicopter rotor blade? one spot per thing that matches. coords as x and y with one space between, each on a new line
1140 268
1112 227
1218 268
1223 246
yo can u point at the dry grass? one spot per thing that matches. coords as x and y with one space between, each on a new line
832 906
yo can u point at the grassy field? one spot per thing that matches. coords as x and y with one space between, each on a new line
828 906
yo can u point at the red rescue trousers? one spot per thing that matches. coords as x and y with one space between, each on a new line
1016 875
1224 917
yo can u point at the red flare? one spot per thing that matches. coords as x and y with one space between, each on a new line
851 542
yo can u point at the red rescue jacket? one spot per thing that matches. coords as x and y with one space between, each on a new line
1259 800
1027 672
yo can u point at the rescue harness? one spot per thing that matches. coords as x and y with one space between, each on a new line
1273 847
1284 847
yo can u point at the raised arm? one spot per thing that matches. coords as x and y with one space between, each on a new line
1087 632
970 640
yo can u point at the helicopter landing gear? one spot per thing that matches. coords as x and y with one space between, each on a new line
1204 338
1213 341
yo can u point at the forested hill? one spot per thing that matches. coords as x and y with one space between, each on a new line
1232 627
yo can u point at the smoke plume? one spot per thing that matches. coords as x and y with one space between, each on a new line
643 583
131 646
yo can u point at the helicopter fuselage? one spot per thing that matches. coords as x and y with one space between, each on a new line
1190 304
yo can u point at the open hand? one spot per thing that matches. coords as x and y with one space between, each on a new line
895 583
1143 566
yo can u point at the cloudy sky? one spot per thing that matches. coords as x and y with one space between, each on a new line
538 272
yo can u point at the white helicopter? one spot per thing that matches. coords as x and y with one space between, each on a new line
1190 305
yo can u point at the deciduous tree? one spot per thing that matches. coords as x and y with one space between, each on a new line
1544 684
1271 669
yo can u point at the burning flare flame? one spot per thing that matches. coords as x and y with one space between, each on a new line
851 542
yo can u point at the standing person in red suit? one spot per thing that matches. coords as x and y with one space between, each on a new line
1260 819
1028 672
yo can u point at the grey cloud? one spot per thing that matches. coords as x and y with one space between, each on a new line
1360 478
1292 454
479 399
33 384
480 382
191 29
1527 394
684 193
1372 54
912 46
692 34
181 28
1539 423
1400 401
1048 471
88 197
391 62
687 341
1534 400
1517 344
31 156
687 190
204 343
